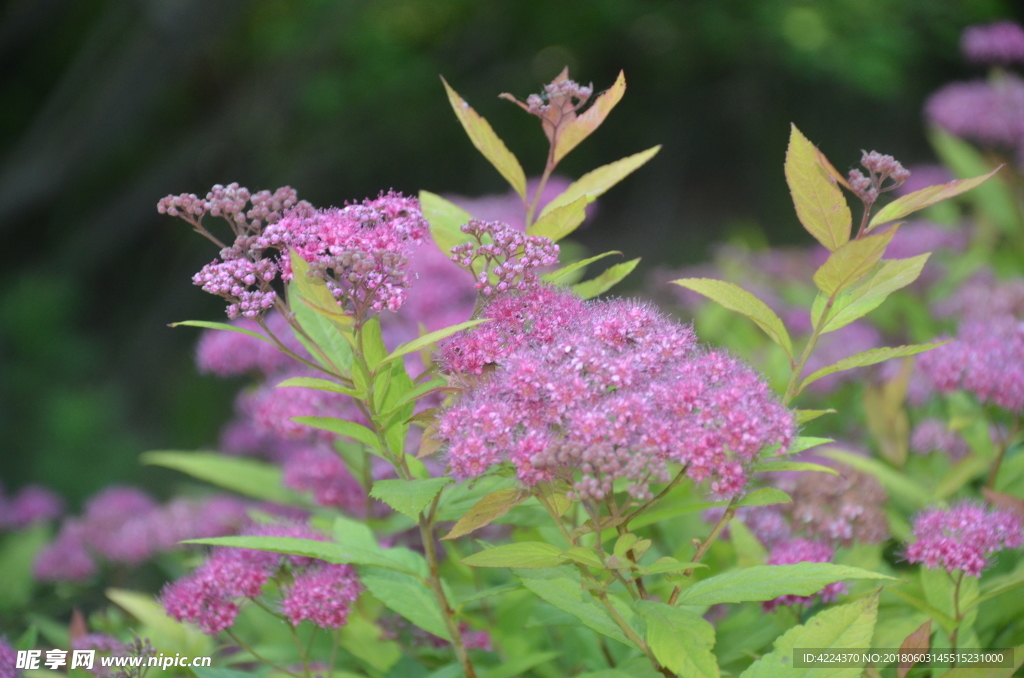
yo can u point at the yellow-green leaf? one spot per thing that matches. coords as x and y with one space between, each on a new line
561 221
875 355
221 326
918 200
317 384
580 128
819 201
804 416
593 184
313 291
851 262
993 199
487 142
556 277
679 639
430 338
588 289
868 294
735 298
487 510
523 554
446 220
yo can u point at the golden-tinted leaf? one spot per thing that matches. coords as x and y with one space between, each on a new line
869 293
595 183
588 289
819 202
872 357
580 128
918 200
445 219
851 262
560 222
487 510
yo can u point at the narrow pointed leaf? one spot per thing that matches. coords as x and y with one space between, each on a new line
680 640
765 496
250 477
868 294
735 298
851 262
221 326
409 497
804 416
580 128
318 384
872 357
487 142
918 200
588 289
819 202
487 510
767 582
595 183
776 466
560 222
446 220
567 271
523 554
430 338
349 429
993 199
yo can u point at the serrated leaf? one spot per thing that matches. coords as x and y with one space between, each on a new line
523 554
595 183
374 350
819 202
919 640
560 222
221 326
409 497
584 124
804 416
446 220
773 466
520 665
765 496
994 199
339 554
918 200
838 628
588 289
317 384
246 476
342 427
897 484
430 338
851 262
679 639
767 582
487 510
488 142
735 298
872 357
566 271
409 597
868 294
583 556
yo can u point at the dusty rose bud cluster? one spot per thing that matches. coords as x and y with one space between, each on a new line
987 359
881 169
838 509
803 551
503 258
617 392
962 537
311 589
557 105
1000 43
933 435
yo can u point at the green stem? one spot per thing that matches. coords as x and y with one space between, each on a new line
334 653
1004 445
661 495
549 167
794 386
730 511
238 641
302 653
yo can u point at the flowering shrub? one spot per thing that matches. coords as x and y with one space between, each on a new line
458 461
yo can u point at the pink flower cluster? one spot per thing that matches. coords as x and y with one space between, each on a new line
983 297
1000 43
361 250
803 551
230 354
986 359
618 391
210 595
962 537
32 504
991 113
124 525
933 435
881 169
8 660
321 472
504 258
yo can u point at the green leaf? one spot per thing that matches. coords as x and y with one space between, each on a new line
898 484
918 200
318 384
17 552
772 466
963 472
520 665
408 496
329 345
166 633
430 338
978 672
680 640
765 496
246 476
488 509
582 127
749 551
819 202
374 350
872 357
566 271
563 588
735 298
804 416
446 220
409 597
947 623
362 638
220 672
523 554
838 628
994 199
488 593
339 554
417 392
767 582
851 262
869 293
560 222
588 289
666 565
222 326
1000 586
801 443
341 427
584 556
487 142
595 183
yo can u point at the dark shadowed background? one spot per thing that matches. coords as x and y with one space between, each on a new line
107 105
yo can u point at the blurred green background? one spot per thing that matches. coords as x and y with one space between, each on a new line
109 105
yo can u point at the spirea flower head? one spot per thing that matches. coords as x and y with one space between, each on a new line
986 359
66 558
1000 43
8 660
361 250
273 408
934 435
618 393
229 354
803 551
322 472
991 113
322 594
962 537
884 174
504 258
